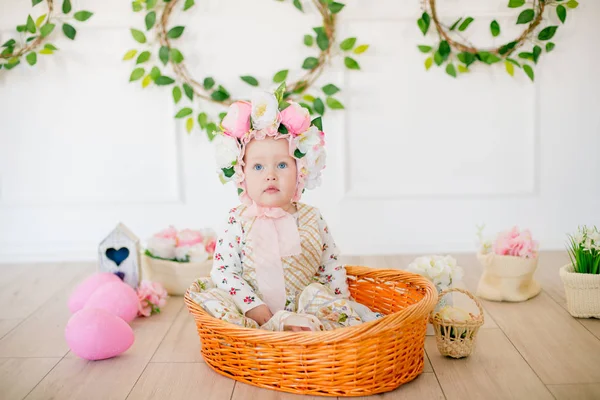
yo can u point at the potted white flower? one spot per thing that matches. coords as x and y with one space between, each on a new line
581 277
442 271
509 263
177 258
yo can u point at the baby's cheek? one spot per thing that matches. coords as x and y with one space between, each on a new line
290 181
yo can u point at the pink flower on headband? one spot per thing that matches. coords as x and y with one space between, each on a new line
295 118
237 121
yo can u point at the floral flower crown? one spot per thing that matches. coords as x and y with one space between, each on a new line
269 115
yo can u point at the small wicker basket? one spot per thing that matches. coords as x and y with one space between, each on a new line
456 339
373 357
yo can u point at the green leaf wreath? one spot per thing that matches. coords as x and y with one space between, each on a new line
161 63
524 52
32 36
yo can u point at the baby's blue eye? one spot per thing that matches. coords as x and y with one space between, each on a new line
282 165
258 167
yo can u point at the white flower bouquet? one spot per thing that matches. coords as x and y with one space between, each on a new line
443 271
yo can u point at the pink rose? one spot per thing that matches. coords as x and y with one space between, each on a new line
211 245
515 243
152 296
514 232
168 233
237 121
188 237
144 309
295 118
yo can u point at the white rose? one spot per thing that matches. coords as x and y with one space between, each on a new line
227 150
442 281
315 160
456 274
306 141
312 182
161 247
439 271
264 110
420 266
198 253
181 253
450 261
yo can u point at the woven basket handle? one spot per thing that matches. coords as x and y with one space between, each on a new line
465 292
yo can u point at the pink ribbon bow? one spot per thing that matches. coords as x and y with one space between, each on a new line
273 235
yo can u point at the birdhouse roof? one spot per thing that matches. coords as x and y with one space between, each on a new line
121 228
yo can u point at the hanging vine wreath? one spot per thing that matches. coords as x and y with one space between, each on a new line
157 23
34 34
452 51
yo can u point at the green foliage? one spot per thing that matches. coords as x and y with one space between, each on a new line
457 57
163 51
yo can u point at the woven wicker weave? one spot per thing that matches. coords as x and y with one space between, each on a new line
456 339
370 358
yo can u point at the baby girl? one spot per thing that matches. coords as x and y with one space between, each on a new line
276 264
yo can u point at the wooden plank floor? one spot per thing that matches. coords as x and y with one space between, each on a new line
531 350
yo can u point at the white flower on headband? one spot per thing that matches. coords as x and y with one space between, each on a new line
309 140
315 162
264 110
227 152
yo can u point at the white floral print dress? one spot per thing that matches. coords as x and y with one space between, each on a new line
317 293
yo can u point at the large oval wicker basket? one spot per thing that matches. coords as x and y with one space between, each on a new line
371 358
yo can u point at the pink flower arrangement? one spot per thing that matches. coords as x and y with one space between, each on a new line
515 243
152 296
186 245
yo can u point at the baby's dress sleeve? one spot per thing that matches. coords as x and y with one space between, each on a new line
226 271
331 272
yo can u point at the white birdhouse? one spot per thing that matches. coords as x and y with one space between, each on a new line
119 253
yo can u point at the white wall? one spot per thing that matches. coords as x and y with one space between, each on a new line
416 161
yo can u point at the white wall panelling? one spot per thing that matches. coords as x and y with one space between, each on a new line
415 162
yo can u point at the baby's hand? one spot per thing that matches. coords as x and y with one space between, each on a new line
296 328
260 314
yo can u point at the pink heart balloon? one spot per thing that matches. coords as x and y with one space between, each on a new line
85 289
95 334
117 298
